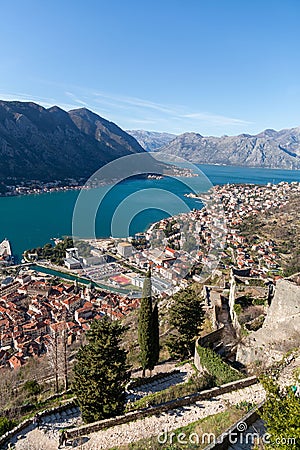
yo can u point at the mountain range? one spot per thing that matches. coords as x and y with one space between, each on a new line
269 149
51 144
48 144
151 140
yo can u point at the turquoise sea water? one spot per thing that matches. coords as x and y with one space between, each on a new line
30 221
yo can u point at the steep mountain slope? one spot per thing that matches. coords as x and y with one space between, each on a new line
151 140
102 130
273 149
48 144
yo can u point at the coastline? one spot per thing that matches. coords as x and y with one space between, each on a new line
258 198
31 220
26 188
35 187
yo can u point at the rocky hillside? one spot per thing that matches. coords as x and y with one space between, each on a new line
280 332
48 144
282 226
272 149
151 140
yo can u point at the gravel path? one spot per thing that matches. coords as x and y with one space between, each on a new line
185 372
163 367
147 427
47 439
47 436
153 425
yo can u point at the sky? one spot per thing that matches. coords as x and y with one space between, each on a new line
214 67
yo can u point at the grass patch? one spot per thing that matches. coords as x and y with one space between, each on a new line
6 425
220 371
40 406
215 424
195 384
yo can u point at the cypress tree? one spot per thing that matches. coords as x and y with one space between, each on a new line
101 372
147 286
145 334
155 333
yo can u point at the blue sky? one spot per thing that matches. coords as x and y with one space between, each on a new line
215 67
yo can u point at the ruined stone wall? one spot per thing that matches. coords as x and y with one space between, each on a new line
280 331
231 302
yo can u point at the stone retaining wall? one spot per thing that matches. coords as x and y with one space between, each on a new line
57 409
184 401
211 338
26 423
9 434
223 441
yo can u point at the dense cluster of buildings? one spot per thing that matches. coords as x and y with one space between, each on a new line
34 309
243 201
40 187
172 247
175 245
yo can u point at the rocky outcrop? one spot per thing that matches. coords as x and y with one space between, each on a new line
272 149
280 331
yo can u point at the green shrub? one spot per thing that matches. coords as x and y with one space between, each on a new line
6 425
237 308
217 368
245 406
32 387
259 301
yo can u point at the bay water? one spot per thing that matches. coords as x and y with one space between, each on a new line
32 220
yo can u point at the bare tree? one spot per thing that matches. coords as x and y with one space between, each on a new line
53 352
58 353
8 384
65 357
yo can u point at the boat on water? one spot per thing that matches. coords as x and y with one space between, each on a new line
191 195
6 256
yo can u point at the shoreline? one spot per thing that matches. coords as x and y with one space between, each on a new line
36 187
260 198
55 232
26 187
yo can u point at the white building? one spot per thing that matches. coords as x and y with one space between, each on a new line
93 260
72 252
72 263
124 249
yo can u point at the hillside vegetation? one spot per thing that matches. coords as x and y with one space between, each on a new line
283 227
